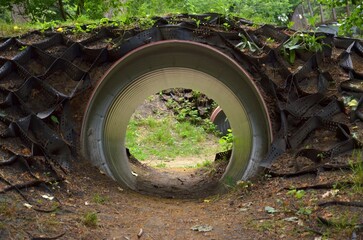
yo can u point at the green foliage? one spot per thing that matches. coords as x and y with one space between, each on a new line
54 119
97 198
161 165
90 219
226 141
298 194
188 109
304 211
354 20
303 41
127 11
205 164
357 171
247 45
165 138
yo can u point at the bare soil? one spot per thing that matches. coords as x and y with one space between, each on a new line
124 214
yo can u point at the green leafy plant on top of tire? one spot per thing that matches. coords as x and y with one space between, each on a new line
301 41
246 45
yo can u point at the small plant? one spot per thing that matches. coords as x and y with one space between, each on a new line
22 48
104 21
246 45
357 171
304 211
270 41
161 165
226 142
97 198
90 219
205 164
54 119
303 41
226 26
290 24
298 194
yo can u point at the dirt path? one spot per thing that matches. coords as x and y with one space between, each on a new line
123 214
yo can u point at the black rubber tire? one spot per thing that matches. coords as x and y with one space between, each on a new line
174 64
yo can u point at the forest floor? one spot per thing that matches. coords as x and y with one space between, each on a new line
89 205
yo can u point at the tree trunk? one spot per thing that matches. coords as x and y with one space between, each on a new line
334 14
348 8
310 8
80 7
61 8
321 14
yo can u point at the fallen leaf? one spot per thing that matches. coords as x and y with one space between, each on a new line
247 204
331 193
26 151
271 210
353 103
202 228
27 205
50 198
291 219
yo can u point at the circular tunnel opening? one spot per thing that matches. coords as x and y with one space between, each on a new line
173 129
173 143
172 65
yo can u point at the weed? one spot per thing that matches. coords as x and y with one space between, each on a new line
205 164
2 225
304 211
7 209
298 194
303 41
22 48
357 171
97 198
340 222
245 44
90 219
161 165
270 41
226 142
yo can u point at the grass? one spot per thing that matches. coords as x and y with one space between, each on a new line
161 165
205 164
99 199
357 171
162 138
90 219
